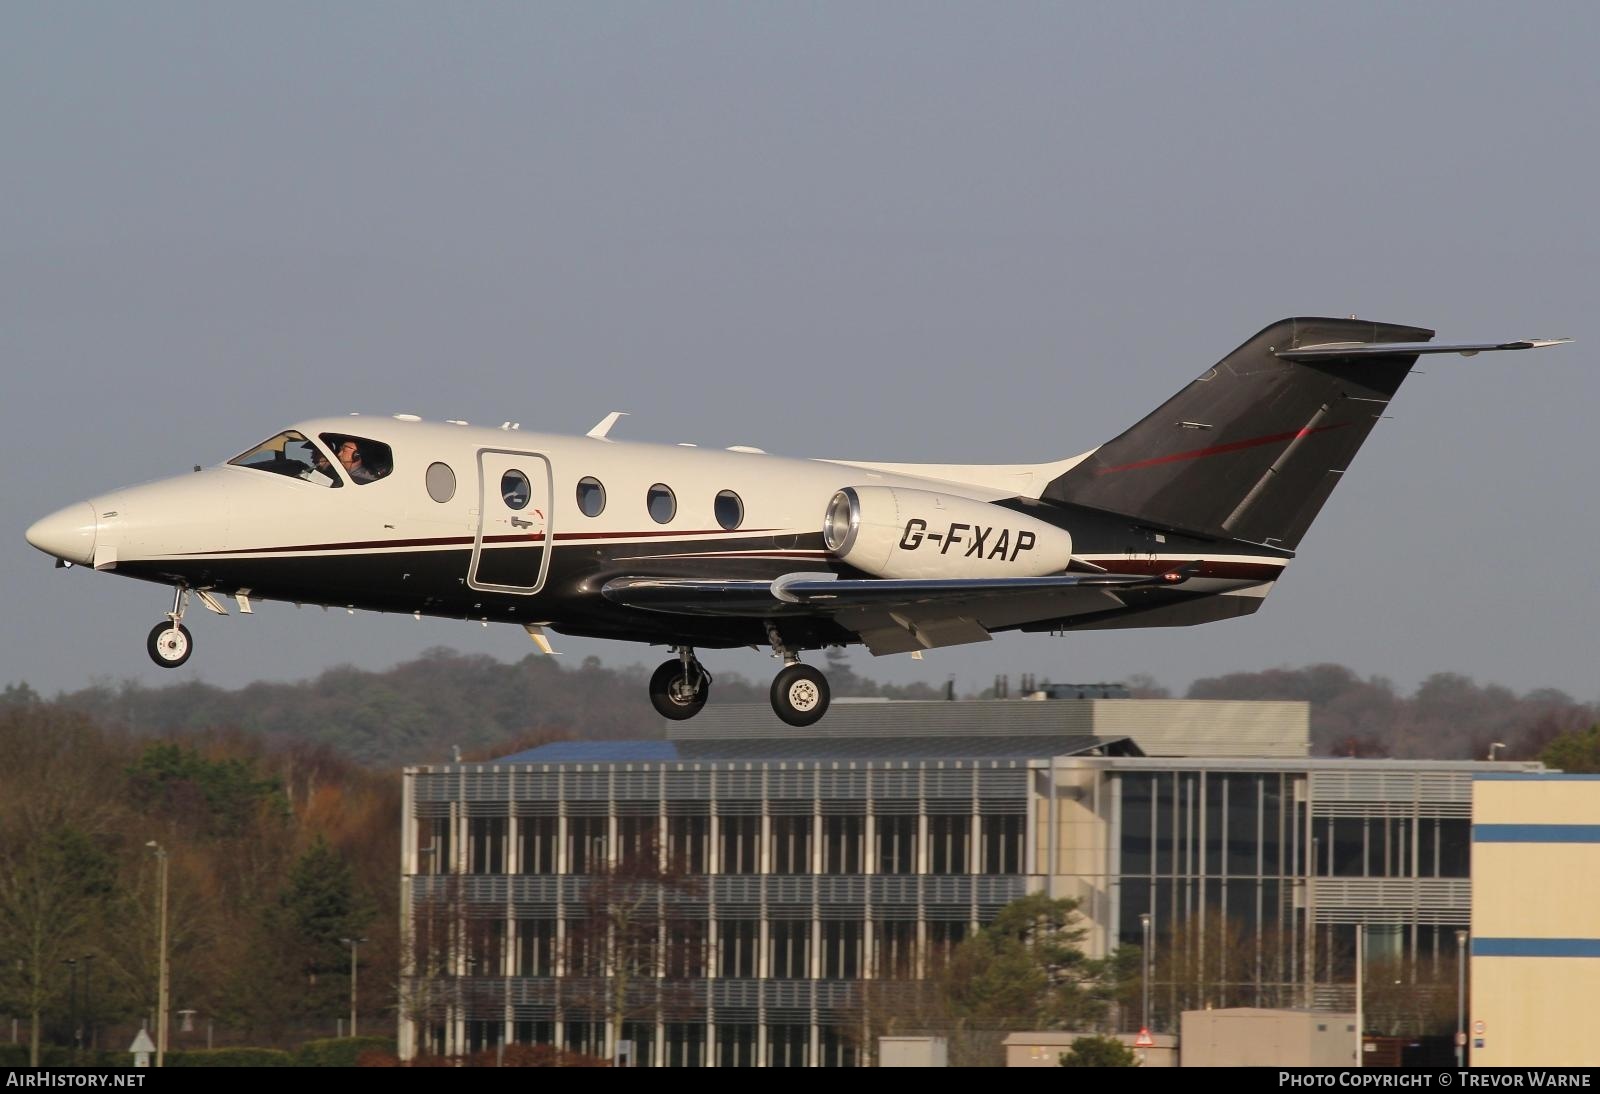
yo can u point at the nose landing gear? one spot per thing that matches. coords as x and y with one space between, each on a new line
169 643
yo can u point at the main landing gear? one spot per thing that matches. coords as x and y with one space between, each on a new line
678 689
169 642
799 692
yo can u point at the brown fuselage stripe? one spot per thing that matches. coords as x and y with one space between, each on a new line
1219 449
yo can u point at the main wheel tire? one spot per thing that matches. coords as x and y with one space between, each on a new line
800 695
672 694
169 645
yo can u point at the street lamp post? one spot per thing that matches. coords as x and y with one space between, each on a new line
161 990
88 1006
72 1007
1144 922
352 943
1461 999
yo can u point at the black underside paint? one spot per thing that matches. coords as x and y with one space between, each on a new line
432 579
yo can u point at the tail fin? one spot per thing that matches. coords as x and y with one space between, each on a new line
1253 448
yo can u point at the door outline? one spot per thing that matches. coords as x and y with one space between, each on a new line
485 493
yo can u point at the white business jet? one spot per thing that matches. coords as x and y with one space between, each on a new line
1187 517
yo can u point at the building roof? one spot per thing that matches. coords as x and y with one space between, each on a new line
987 747
1163 727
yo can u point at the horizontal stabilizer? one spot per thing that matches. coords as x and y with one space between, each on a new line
1395 349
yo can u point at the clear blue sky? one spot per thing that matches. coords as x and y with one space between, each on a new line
914 231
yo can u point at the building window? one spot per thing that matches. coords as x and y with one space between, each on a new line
896 837
736 1045
535 949
486 845
686 1044
537 853
1002 843
788 1045
637 840
736 947
789 949
948 840
586 844
791 845
841 949
894 944
842 837
688 843
738 840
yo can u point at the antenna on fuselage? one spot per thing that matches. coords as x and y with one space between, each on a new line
603 427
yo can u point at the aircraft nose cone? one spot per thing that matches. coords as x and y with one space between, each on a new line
67 533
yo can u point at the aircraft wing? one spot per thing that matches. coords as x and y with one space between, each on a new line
891 615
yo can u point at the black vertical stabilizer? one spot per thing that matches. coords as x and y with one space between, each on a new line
1252 448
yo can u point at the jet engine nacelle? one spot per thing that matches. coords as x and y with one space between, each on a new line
896 533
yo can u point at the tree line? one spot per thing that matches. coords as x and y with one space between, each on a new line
275 854
420 711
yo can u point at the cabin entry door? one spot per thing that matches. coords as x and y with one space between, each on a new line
511 550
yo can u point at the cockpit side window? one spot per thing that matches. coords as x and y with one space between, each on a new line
292 455
362 458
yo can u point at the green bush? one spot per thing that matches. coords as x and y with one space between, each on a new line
230 1057
340 1051
1099 1052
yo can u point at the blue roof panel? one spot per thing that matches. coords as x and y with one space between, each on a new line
823 748
604 752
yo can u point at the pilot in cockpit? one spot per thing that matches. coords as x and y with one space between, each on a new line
349 453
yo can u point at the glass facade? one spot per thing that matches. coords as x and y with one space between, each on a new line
765 897
1255 881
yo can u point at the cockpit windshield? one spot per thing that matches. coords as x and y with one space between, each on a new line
291 454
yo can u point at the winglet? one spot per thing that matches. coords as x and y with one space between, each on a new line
604 426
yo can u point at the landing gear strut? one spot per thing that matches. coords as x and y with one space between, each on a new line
169 642
678 689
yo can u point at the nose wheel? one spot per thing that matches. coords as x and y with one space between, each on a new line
679 688
170 643
800 695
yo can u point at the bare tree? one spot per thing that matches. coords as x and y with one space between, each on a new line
638 947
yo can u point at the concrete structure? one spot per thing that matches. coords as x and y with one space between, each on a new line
913 1052
1044 1048
1253 1037
1535 967
816 873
